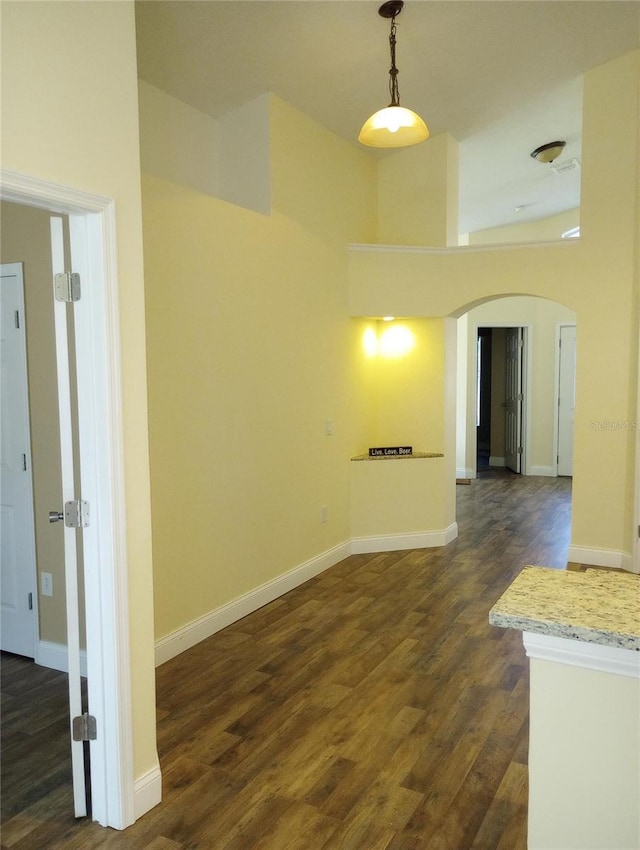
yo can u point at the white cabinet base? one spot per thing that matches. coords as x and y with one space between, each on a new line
584 754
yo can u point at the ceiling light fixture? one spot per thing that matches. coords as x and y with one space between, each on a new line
394 126
548 152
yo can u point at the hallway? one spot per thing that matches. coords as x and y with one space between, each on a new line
372 708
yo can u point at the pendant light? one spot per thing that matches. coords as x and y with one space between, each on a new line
394 126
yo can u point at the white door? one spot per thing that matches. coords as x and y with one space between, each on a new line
514 397
63 513
18 597
566 398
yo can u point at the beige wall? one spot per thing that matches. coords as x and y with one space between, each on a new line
418 194
249 354
406 363
596 277
70 115
408 384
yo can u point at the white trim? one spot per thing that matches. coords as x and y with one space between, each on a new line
147 791
203 627
577 653
399 542
197 630
546 471
106 601
496 461
93 249
358 248
597 557
56 657
627 562
556 389
465 473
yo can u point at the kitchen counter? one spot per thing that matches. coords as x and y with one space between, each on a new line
581 633
595 606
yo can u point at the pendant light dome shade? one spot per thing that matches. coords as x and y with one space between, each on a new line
394 126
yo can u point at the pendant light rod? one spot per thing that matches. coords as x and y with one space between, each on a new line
391 9
394 126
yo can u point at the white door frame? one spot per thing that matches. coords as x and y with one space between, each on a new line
556 389
527 334
93 244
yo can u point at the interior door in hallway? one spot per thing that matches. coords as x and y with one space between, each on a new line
566 398
514 398
18 596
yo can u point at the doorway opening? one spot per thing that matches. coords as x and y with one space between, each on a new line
509 386
500 399
96 333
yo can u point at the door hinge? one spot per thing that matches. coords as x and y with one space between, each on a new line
17 320
639 531
519 450
67 286
76 514
84 728
30 601
24 463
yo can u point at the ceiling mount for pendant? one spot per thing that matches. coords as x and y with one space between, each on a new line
391 9
394 126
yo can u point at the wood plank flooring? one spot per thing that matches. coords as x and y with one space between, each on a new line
372 708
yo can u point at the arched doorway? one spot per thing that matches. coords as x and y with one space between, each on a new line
541 320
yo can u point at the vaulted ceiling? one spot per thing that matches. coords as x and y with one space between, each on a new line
502 76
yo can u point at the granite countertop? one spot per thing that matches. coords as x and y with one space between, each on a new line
398 457
595 606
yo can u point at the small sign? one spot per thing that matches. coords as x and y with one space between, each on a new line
391 451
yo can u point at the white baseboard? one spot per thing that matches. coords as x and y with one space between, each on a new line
599 557
187 636
54 656
397 542
496 461
147 791
546 471
627 563
466 472
191 634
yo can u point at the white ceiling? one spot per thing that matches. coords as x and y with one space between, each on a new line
502 76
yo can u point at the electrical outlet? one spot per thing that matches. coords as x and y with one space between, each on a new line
46 584
324 513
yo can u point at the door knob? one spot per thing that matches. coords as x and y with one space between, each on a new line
56 516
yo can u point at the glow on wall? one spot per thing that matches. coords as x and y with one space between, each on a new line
393 341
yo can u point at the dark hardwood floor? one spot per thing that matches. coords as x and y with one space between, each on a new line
372 708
